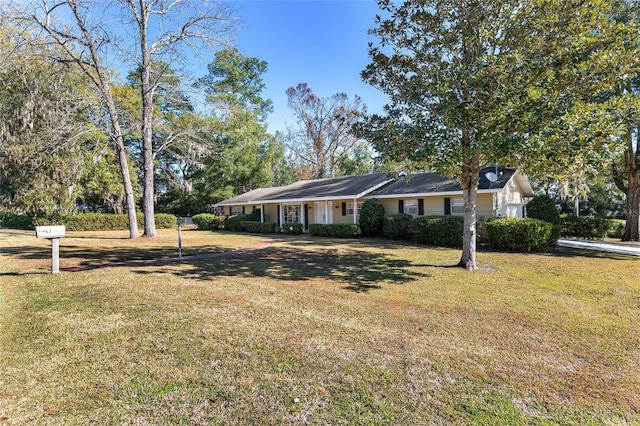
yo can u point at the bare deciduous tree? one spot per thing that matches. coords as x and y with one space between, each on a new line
140 33
323 135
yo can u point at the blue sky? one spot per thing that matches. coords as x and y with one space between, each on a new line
321 43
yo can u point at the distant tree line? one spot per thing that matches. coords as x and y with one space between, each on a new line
74 136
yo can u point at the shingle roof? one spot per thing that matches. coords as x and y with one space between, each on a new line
431 182
332 188
371 185
251 196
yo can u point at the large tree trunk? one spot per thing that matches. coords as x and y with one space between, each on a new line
469 180
628 181
148 200
147 89
632 229
128 187
91 68
121 152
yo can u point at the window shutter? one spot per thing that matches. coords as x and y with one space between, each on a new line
447 206
344 209
243 210
420 207
278 214
400 206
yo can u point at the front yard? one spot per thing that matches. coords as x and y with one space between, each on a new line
312 330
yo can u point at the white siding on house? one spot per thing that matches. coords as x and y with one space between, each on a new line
510 202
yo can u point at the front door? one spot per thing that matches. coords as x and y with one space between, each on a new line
323 212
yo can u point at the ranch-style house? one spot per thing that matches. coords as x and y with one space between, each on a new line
501 192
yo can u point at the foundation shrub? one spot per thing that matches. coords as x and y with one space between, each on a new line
234 223
397 226
292 228
443 231
336 230
371 218
519 234
257 227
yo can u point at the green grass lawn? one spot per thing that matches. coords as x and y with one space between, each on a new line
313 331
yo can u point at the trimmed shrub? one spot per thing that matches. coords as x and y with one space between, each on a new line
519 235
397 226
617 228
543 207
371 218
292 228
336 230
589 227
86 221
342 230
443 231
319 229
165 220
251 226
258 227
233 223
16 221
254 216
102 221
208 221
268 228
556 233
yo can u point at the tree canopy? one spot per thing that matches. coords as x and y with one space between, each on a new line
478 82
322 138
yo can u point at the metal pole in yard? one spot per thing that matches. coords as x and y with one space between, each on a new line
180 239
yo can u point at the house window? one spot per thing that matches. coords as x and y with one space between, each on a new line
291 214
457 206
234 210
349 208
411 207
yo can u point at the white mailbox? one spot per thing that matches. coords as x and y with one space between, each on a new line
53 234
50 232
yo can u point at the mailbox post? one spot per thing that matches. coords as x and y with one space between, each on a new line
53 234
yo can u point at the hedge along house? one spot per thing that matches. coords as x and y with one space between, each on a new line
501 192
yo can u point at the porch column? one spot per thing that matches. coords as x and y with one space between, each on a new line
326 211
261 212
355 211
281 215
302 216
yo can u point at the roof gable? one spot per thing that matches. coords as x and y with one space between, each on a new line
433 183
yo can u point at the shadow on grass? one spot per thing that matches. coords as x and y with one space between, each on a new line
360 271
95 257
302 259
